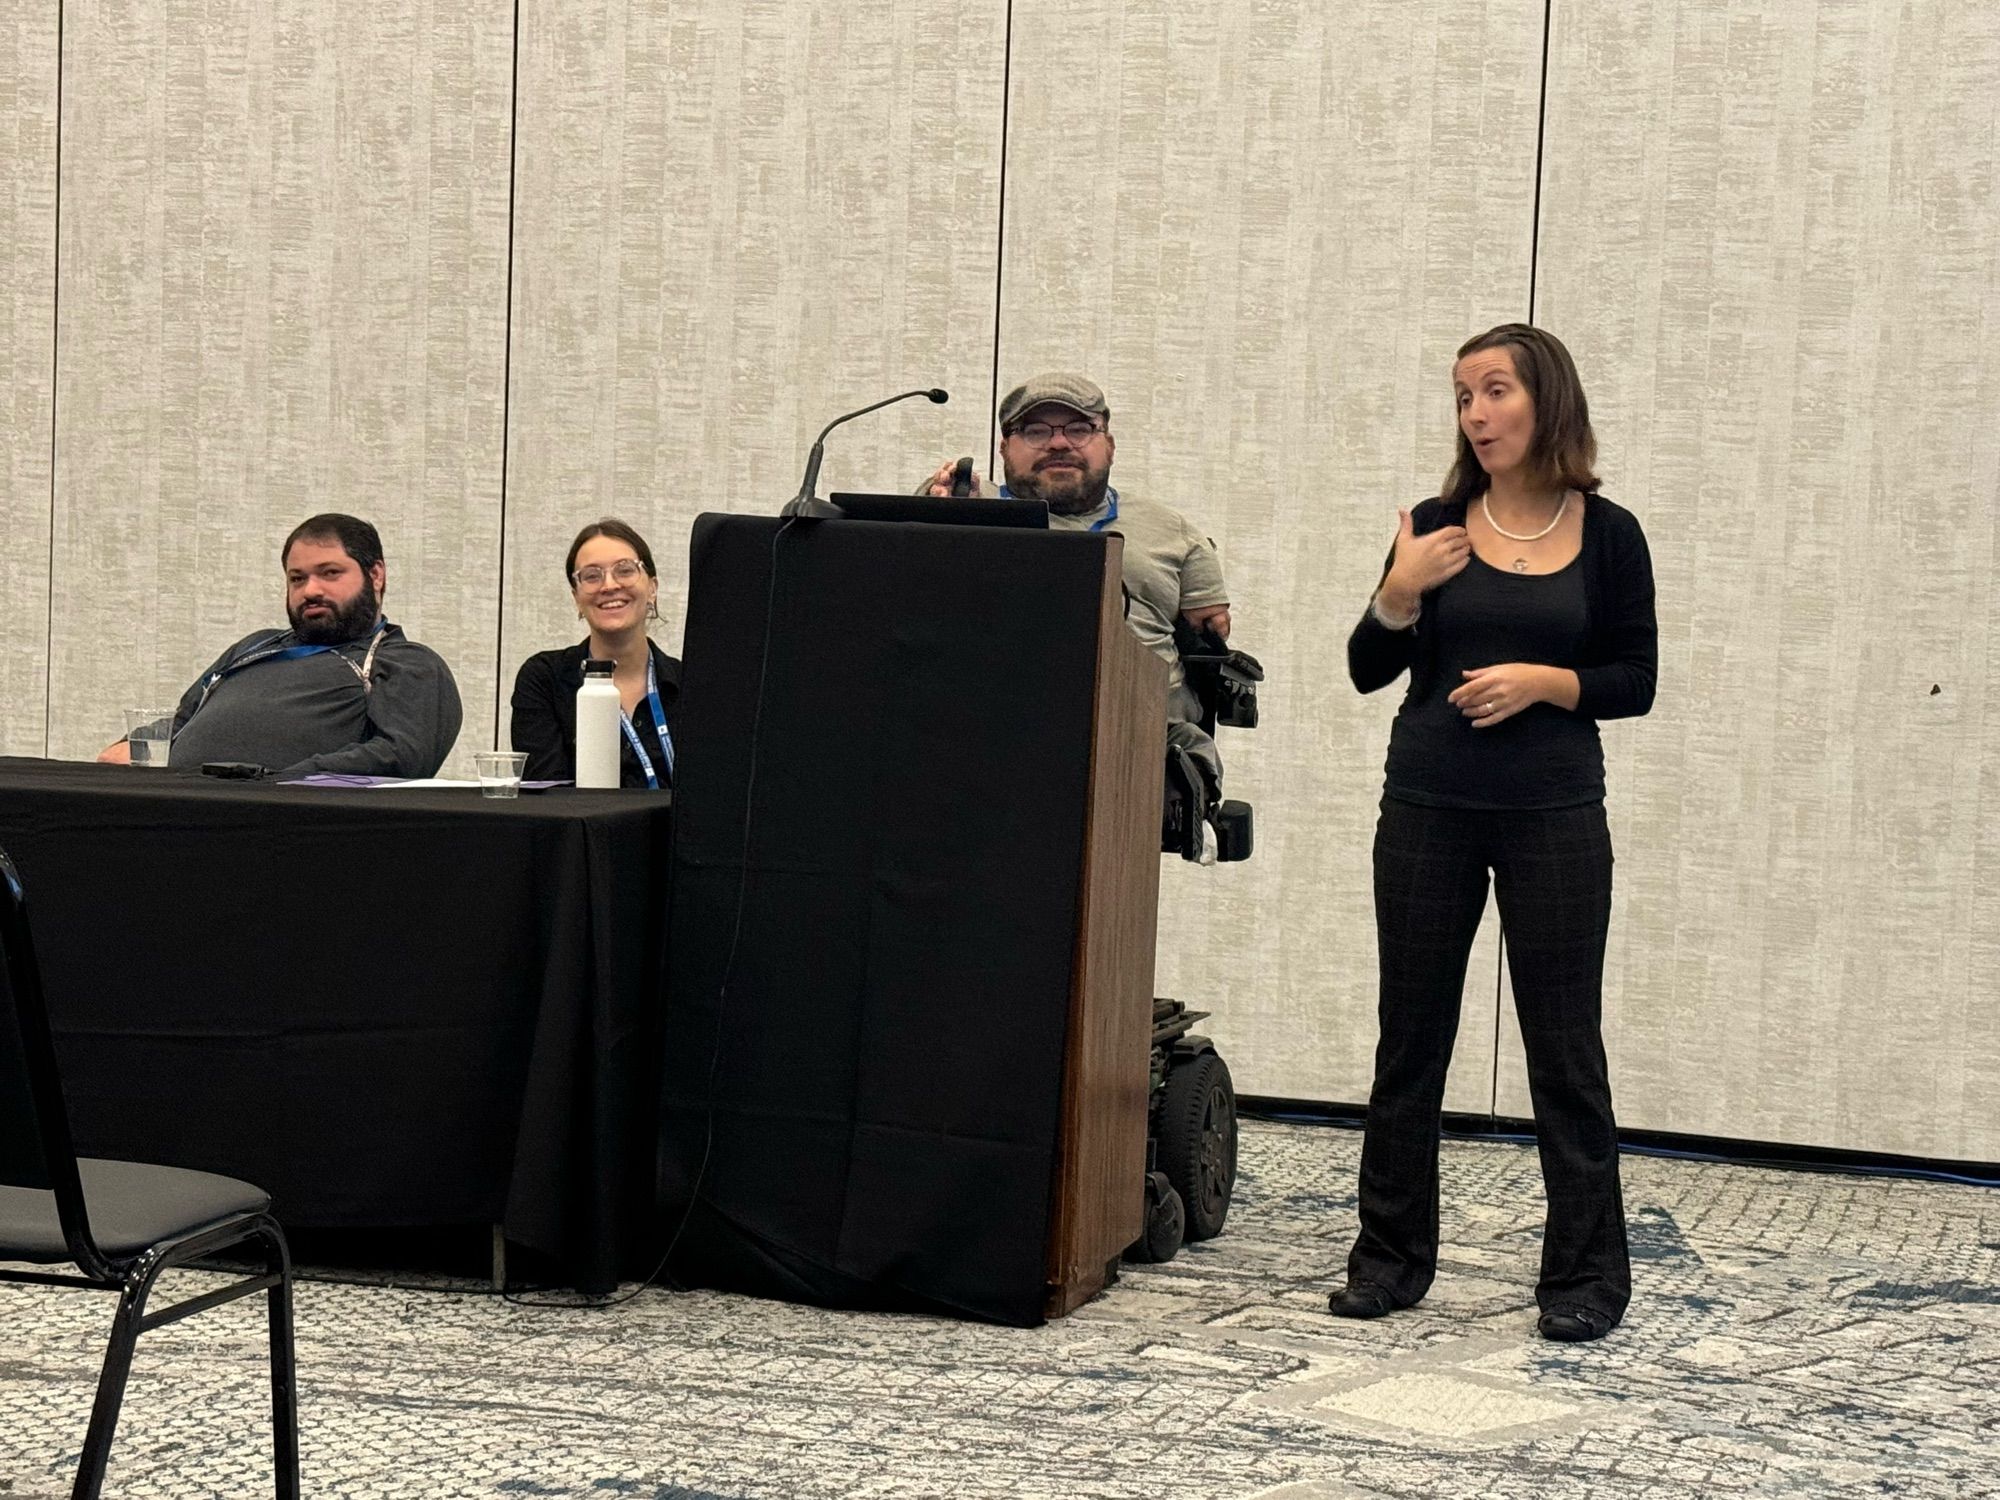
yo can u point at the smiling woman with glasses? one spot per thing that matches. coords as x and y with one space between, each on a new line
616 591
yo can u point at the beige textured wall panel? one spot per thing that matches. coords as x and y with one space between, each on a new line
27 362
1771 235
1265 225
735 221
283 290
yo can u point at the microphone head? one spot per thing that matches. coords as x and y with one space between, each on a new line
940 397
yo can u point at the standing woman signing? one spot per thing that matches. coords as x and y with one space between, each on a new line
1521 603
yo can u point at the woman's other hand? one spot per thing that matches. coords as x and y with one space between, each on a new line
1491 695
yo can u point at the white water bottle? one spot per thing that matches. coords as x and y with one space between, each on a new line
597 714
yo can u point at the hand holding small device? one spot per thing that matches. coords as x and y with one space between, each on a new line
954 479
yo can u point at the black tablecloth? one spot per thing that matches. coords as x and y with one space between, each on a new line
385 1007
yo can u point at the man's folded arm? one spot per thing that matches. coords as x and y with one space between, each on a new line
413 721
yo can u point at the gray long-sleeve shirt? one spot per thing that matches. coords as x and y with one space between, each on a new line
298 714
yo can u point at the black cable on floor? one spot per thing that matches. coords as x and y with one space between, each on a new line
585 1300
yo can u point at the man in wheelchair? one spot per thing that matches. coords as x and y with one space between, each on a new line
1056 446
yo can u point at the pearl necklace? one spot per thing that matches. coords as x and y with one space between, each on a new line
1515 536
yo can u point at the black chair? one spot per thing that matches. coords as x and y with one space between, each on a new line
119 1223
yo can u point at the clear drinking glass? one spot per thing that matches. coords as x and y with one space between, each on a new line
149 732
500 772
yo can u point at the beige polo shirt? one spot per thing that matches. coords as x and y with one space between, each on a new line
1170 567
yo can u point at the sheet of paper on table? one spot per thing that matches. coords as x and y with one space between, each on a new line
345 779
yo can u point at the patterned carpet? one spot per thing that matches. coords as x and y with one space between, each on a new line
1791 1335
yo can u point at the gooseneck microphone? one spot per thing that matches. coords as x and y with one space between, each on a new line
804 503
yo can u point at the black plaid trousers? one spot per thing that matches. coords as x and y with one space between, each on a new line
1552 878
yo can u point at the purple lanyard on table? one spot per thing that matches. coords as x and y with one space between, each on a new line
659 723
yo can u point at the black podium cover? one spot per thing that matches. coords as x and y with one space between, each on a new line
867 1112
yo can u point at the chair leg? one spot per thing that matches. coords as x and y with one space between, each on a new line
284 1385
111 1382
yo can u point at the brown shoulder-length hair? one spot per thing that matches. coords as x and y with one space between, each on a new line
1563 455
618 531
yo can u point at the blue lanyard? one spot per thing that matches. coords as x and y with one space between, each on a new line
659 723
363 670
293 653
1110 494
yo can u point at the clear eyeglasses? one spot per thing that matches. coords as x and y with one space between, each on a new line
625 570
1041 434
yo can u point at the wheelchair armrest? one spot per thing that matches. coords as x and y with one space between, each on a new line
1204 646
1240 666
1222 679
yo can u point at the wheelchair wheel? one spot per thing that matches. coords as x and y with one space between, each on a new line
1166 1223
1195 1128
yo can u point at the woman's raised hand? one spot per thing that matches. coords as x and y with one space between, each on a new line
1421 563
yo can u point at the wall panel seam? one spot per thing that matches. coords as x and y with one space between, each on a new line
55 384
1534 270
506 384
1535 218
1000 247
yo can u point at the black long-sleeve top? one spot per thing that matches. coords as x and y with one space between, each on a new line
1616 661
544 719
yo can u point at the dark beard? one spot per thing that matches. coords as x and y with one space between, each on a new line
1081 501
346 623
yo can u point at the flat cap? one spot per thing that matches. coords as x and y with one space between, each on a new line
1059 387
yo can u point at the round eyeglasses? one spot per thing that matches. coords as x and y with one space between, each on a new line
1041 434
625 570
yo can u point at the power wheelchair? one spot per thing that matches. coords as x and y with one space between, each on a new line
1191 1119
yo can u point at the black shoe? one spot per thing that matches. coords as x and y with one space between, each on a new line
1360 1299
1574 1325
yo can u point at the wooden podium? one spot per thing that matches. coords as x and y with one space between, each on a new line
911 938
1099 1196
